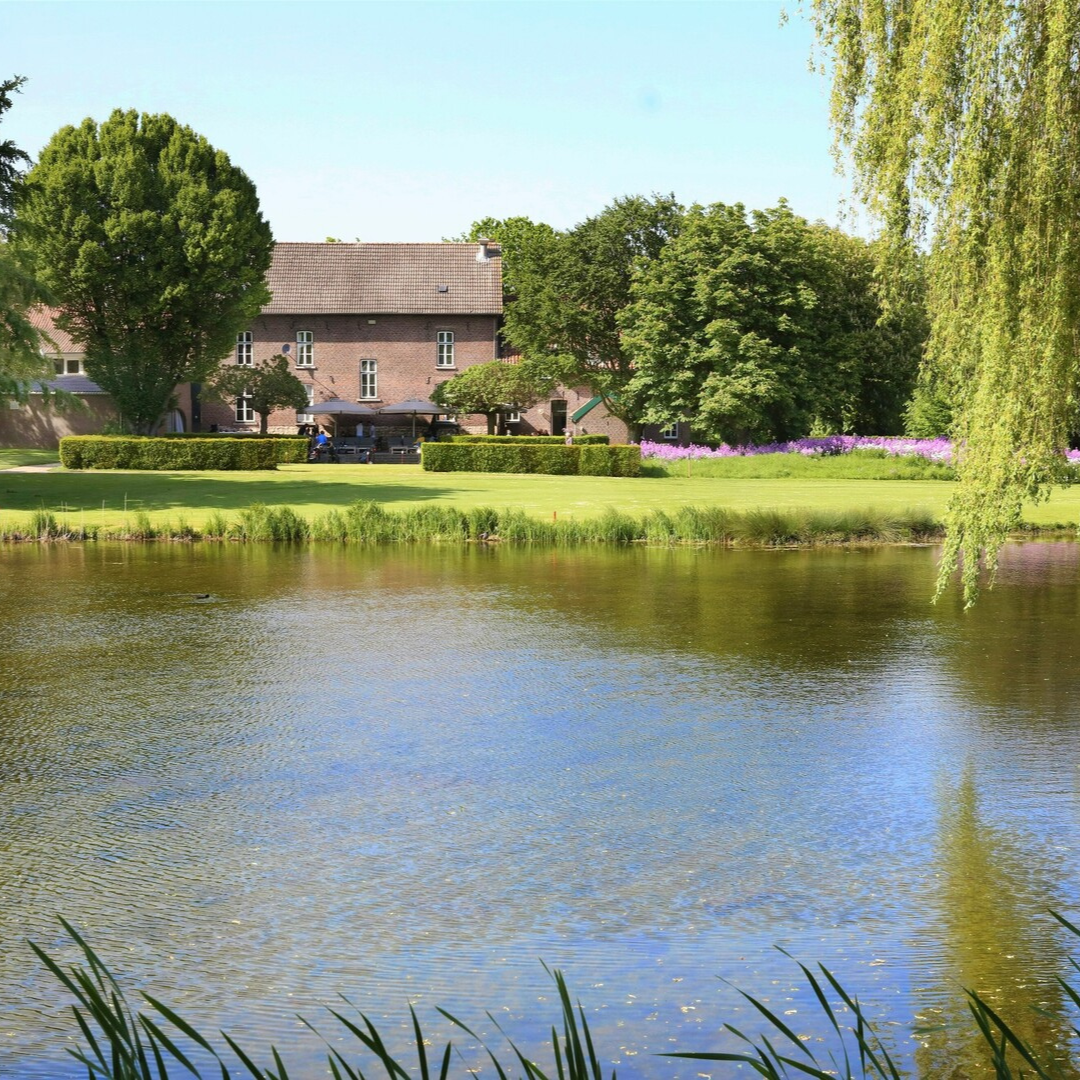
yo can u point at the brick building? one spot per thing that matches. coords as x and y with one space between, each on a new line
383 323
372 323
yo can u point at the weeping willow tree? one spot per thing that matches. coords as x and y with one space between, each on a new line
961 119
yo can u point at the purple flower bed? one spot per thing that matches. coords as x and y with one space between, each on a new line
939 450
932 449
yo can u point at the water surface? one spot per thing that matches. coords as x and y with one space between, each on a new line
410 774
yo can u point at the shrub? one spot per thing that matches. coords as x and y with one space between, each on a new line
533 440
528 457
168 453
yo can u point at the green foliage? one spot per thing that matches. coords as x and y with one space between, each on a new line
756 329
262 523
569 287
12 158
368 522
493 388
21 344
154 249
520 456
269 383
140 452
929 414
962 118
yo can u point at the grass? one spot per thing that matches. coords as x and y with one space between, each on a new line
10 459
154 1042
109 501
367 522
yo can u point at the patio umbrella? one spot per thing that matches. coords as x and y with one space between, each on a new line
413 408
339 408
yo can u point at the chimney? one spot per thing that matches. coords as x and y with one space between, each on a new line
482 254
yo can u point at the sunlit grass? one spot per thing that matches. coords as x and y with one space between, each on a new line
108 500
10 459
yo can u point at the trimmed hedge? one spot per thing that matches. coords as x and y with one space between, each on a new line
596 460
529 440
168 453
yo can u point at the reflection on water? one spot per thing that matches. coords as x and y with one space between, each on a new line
409 774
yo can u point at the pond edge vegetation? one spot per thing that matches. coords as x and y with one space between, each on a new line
368 522
126 1044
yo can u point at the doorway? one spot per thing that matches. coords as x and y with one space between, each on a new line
558 418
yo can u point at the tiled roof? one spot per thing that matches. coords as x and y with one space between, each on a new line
42 318
387 279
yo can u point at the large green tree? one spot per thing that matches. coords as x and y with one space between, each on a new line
154 248
962 121
269 384
566 290
762 326
495 387
21 343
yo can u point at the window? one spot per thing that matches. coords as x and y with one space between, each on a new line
245 414
670 432
305 348
243 348
444 348
68 365
369 379
306 417
513 416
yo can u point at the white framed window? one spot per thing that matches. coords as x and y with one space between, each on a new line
305 348
670 432
369 379
244 349
245 414
513 416
68 365
306 417
444 349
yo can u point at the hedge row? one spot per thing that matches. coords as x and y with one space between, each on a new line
530 440
530 458
169 454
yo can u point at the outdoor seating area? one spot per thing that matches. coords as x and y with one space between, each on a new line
393 448
357 450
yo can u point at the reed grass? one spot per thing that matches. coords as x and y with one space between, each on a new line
154 1042
369 522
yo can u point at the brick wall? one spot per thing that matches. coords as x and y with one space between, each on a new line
404 347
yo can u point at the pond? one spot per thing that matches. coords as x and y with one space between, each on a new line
410 775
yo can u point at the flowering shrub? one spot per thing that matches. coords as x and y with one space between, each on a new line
939 450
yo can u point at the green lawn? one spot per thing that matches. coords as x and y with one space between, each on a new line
109 499
10 458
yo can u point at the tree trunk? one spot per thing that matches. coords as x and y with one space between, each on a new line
264 422
491 423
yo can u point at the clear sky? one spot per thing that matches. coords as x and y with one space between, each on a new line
408 121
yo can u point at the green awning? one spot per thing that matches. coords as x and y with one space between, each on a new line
586 409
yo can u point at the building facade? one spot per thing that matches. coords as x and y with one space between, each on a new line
371 323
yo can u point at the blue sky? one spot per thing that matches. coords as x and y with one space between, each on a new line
409 120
